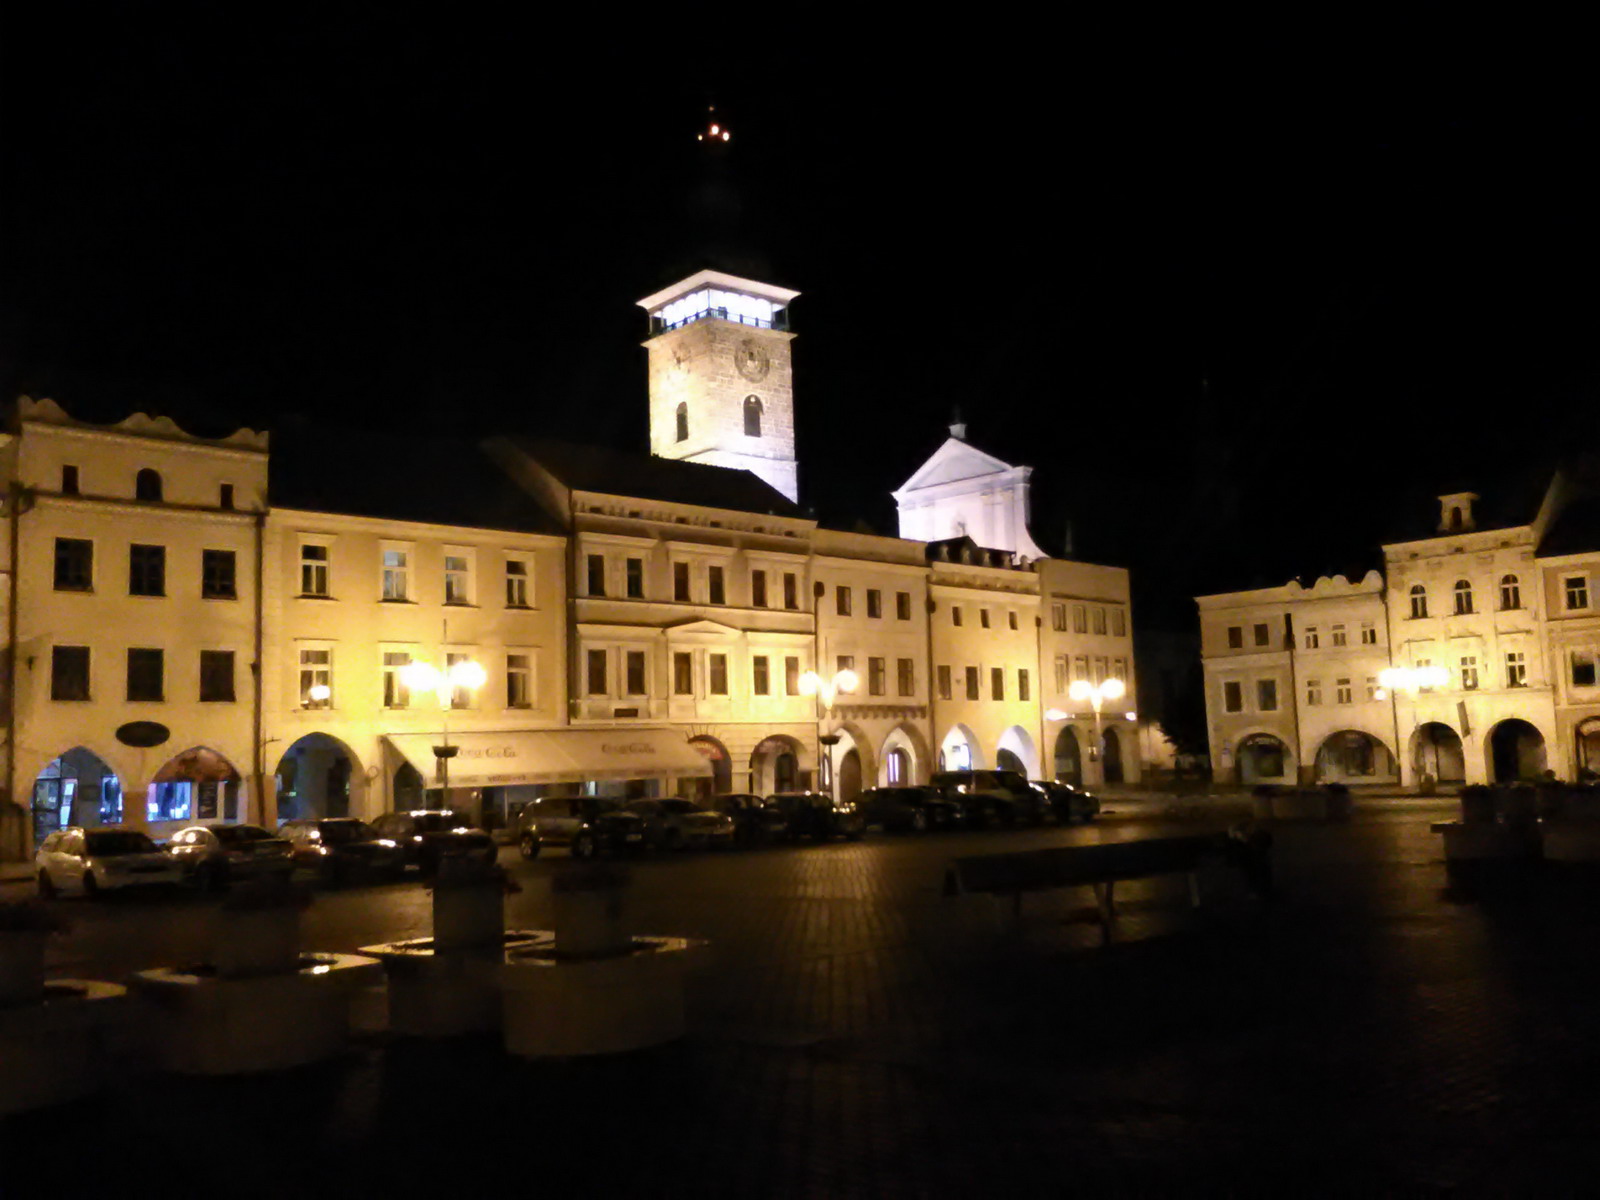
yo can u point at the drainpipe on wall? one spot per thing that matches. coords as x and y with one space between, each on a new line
932 680
572 610
1301 773
14 498
268 804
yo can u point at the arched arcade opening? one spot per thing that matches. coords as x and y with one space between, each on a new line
1262 758
319 776
77 788
1068 757
1436 751
959 751
196 785
1016 752
1353 756
776 765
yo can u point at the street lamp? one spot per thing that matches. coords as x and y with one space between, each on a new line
465 675
1410 680
1096 694
826 691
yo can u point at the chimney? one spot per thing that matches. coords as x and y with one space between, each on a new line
1455 512
958 427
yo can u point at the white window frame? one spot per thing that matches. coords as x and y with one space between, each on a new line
464 578
400 573
1575 590
310 674
394 684
314 567
519 585
528 672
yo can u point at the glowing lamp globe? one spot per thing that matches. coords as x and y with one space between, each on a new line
1080 690
1112 689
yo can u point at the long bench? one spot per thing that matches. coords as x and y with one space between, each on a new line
1101 867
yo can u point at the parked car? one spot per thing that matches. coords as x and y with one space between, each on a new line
92 861
992 797
586 825
675 824
214 856
756 820
426 835
814 815
908 809
1069 803
339 849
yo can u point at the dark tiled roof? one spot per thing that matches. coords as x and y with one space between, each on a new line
649 477
1575 531
436 479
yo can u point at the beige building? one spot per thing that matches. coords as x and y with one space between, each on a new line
1569 583
1086 632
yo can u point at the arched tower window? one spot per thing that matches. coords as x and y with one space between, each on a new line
683 422
1419 601
147 485
1510 592
752 416
1463 593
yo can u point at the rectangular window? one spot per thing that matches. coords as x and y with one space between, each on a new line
1063 673
313 569
519 681
1081 665
1080 619
791 676
944 683
1582 669
1235 637
1313 692
1263 634
682 673
758 589
217 580
874 603
841 597
905 676
719 674
1469 672
760 675
1516 669
146 671
595 575
983 617
457 579
597 673
1233 696
1023 687
516 583
955 614
225 496
74 564
147 570
845 662
316 678
1311 637
1099 619
1369 634
634 581
718 586
1100 671
1577 587
877 676
1342 692
216 675
395 692
637 685
791 591
1119 623
1011 618
1267 695
460 697
69 673
972 683
396 575
997 683
1372 687
69 480
1338 635
1119 669
680 582
1058 617
1420 664
902 606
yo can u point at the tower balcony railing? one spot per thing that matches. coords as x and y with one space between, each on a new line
780 320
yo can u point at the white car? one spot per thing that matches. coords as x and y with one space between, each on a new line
92 861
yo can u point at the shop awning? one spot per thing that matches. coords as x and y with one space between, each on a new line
555 756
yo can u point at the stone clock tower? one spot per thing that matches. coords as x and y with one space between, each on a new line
721 391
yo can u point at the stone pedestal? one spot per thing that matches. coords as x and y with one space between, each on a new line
447 993
589 923
1481 841
254 942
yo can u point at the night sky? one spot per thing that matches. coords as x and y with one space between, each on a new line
1231 291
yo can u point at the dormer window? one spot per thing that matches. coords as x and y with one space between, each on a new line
69 481
1455 512
147 485
683 423
752 416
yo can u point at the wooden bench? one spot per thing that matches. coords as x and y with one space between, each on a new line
1102 867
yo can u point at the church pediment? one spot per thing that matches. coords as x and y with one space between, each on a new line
951 462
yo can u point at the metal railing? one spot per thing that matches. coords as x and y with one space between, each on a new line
780 320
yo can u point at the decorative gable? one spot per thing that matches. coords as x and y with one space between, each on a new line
953 461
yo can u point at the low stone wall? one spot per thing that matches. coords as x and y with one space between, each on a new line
1330 802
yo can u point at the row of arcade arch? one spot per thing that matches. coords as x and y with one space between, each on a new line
1015 751
1513 749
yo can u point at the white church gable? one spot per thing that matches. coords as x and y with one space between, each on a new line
961 491
953 461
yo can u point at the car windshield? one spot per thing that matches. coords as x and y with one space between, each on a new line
337 832
121 841
234 834
435 822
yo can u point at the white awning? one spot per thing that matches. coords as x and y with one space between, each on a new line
555 756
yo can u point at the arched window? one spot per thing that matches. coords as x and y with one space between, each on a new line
752 416
1510 592
1419 601
147 485
683 422
1463 594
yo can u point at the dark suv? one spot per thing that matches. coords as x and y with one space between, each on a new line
908 809
993 797
755 821
814 815
426 835
587 826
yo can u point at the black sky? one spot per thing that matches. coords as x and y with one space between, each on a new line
1374 243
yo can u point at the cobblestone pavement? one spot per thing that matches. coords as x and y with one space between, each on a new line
857 1033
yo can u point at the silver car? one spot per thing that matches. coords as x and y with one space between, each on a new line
92 861
213 856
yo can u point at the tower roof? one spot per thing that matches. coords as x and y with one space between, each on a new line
779 296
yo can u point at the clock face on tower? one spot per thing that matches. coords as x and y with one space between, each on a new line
750 356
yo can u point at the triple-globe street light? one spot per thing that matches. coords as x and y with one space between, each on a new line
1410 680
1096 694
463 675
842 682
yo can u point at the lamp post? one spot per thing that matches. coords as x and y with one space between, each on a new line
466 675
1096 694
1410 680
826 691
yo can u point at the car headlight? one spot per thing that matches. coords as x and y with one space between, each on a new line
389 842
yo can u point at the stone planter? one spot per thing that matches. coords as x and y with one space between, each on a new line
52 1050
255 942
1482 841
557 1007
447 993
1477 805
589 923
466 916
1579 805
21 966
1571 841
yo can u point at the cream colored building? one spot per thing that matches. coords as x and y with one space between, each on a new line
1086 632
1569 571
